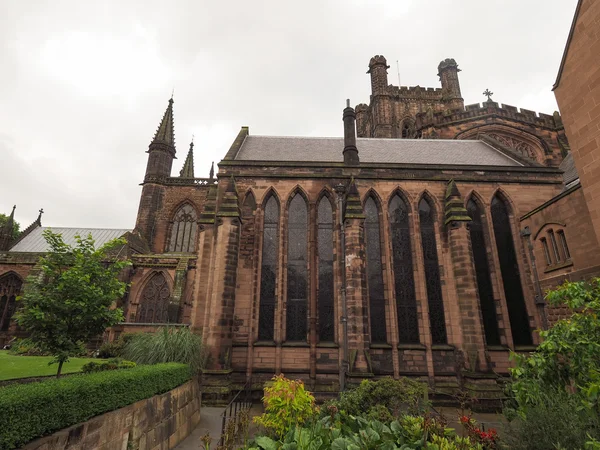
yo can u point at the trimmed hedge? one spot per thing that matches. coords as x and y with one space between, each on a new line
30 411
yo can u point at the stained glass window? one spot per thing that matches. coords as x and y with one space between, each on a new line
10 288
374 273
517 311
325 257
297 283
154 302
406 304
482 273
184 230
268 274
432 273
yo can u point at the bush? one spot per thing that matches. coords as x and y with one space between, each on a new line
287 404
168 344
383 399
115 348
26 347
111 364
33 410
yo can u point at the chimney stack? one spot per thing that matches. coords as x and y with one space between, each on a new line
350 150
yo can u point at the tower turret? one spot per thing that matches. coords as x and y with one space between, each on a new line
448 73
162 148
378 69
350 150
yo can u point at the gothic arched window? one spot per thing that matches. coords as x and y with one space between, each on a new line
268 273
297 270
154 302
184 230
515 301
406 304
432 273
10 288
375 273
482 273
325 255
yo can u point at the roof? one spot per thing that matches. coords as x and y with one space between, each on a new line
35 242
568 44
393 151
568 167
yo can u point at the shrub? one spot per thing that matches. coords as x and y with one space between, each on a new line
33 410
26 347
383 399
287 404
168 344
115 348
111 364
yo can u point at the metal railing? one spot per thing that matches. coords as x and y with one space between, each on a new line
242 401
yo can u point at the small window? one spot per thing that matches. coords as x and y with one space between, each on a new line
554 246
546 251
563 243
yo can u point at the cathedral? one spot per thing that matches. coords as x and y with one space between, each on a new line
418 244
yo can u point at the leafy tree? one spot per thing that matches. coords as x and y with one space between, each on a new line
70 301
16 226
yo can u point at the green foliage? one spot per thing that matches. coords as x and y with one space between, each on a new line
116 348
555 389
37 409
343 432
69 303
111 364
168 344
287 404
26 347
16 226
383 399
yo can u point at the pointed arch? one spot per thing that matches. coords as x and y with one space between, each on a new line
325 293
506 199
249 204
271 192
432 201
154 300
375 284
427 222
476 211
372 193
406 302
297 190
477 198
269 266
509 268
10 288
297 267
402 194
184 229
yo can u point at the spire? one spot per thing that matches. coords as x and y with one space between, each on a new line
8 227
211 174
229 207
353 208
188 166
454 209
166 130
6 233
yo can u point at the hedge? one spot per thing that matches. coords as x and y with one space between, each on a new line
29 411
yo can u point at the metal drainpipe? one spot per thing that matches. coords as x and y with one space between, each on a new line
539 295
340 189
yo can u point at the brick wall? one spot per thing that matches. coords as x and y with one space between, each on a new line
578 95
160 422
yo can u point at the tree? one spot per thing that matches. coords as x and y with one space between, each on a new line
16 226
71 301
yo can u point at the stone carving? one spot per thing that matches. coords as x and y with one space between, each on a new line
522 148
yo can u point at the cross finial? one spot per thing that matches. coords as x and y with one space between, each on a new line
41 211
488 94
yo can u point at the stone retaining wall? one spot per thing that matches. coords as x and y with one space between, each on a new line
157 423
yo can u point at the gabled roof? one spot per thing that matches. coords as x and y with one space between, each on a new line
35 242
392 151
568 44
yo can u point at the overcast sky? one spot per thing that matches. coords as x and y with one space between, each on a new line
83 85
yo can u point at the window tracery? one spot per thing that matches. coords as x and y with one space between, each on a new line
432 273
297 280
184 230
509 268
522 148
154 301
268 274
406 304
375 273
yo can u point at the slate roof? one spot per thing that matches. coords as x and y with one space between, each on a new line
393 151
35 242
568 167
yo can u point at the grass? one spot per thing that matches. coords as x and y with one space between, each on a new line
12 366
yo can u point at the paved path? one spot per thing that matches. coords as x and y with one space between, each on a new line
211 421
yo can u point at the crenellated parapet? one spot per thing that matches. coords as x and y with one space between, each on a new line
476 110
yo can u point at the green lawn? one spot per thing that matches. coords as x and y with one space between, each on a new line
12 366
